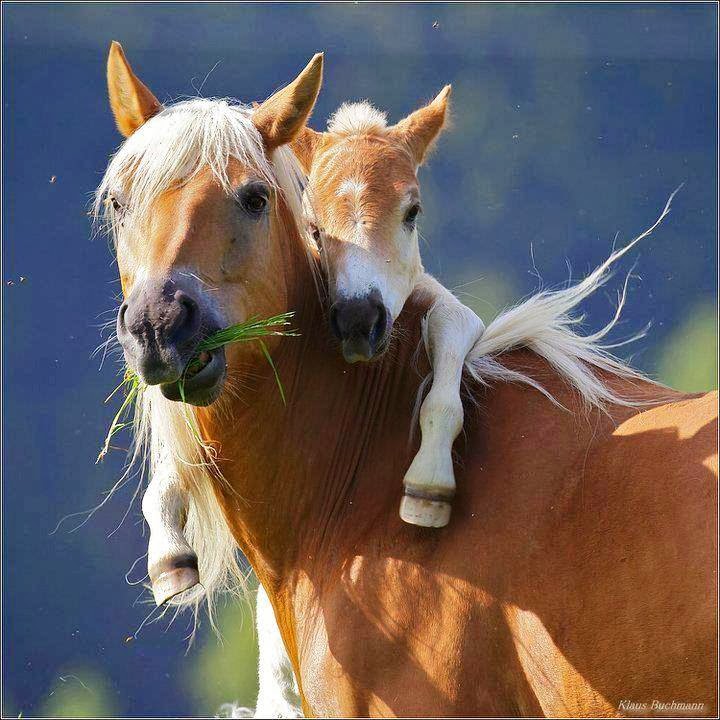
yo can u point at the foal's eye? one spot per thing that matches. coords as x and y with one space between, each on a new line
315 232
411 215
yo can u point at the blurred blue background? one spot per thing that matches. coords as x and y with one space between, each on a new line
571 123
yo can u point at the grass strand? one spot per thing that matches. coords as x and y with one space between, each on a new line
252 330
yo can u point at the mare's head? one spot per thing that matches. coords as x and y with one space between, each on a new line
361 204
200 202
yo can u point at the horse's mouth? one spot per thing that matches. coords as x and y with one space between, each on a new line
202 381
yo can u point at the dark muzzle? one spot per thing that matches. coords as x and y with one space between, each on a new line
362 324
159 327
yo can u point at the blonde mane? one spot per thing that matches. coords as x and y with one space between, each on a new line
545 323
190 135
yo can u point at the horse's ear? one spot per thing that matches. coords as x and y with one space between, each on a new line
304 146
131 102
281 117
419 129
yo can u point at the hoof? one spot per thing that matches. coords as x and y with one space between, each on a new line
173 577
425 510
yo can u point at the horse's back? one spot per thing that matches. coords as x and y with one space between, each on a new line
682 432
577 573
597 537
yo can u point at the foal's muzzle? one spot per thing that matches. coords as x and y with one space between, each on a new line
159 327
362 324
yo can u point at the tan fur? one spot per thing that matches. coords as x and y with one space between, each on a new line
280 117
420 129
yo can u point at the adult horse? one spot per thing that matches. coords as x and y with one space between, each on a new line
578 574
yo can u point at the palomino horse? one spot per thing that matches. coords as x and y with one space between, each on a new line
578 574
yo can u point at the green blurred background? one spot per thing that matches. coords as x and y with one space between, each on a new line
571 122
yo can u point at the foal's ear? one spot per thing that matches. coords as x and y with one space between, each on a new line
131 102
304 146
419 129
281 117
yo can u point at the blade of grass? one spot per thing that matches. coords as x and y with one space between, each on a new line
133 383
263 346
255 328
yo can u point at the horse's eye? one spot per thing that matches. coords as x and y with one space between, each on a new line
116 204
255 203
411 215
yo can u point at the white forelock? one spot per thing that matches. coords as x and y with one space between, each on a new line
357 117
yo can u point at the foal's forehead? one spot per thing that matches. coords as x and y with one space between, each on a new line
375 163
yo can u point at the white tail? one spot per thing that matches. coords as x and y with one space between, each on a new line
545 324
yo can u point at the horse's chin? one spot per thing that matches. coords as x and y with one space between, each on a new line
353 357
366 351
203 387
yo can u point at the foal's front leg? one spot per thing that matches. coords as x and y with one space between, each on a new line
172 563
452 331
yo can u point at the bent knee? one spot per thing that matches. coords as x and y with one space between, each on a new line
163 494
442 410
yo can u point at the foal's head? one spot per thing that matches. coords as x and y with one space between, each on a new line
199 198
362 203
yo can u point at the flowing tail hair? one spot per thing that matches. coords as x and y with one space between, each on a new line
545 323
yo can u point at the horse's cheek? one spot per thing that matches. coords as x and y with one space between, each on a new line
235 259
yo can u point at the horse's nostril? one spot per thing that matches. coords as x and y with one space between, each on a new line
381 322
185 300
187 320
121 315
187 303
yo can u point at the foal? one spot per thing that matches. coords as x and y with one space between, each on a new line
361 205
370 251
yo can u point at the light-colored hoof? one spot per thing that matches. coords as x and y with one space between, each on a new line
425 511
172 583
173 577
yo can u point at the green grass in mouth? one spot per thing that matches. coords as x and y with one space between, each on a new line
254 329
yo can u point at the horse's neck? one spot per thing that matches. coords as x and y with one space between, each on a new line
297 469
327 467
